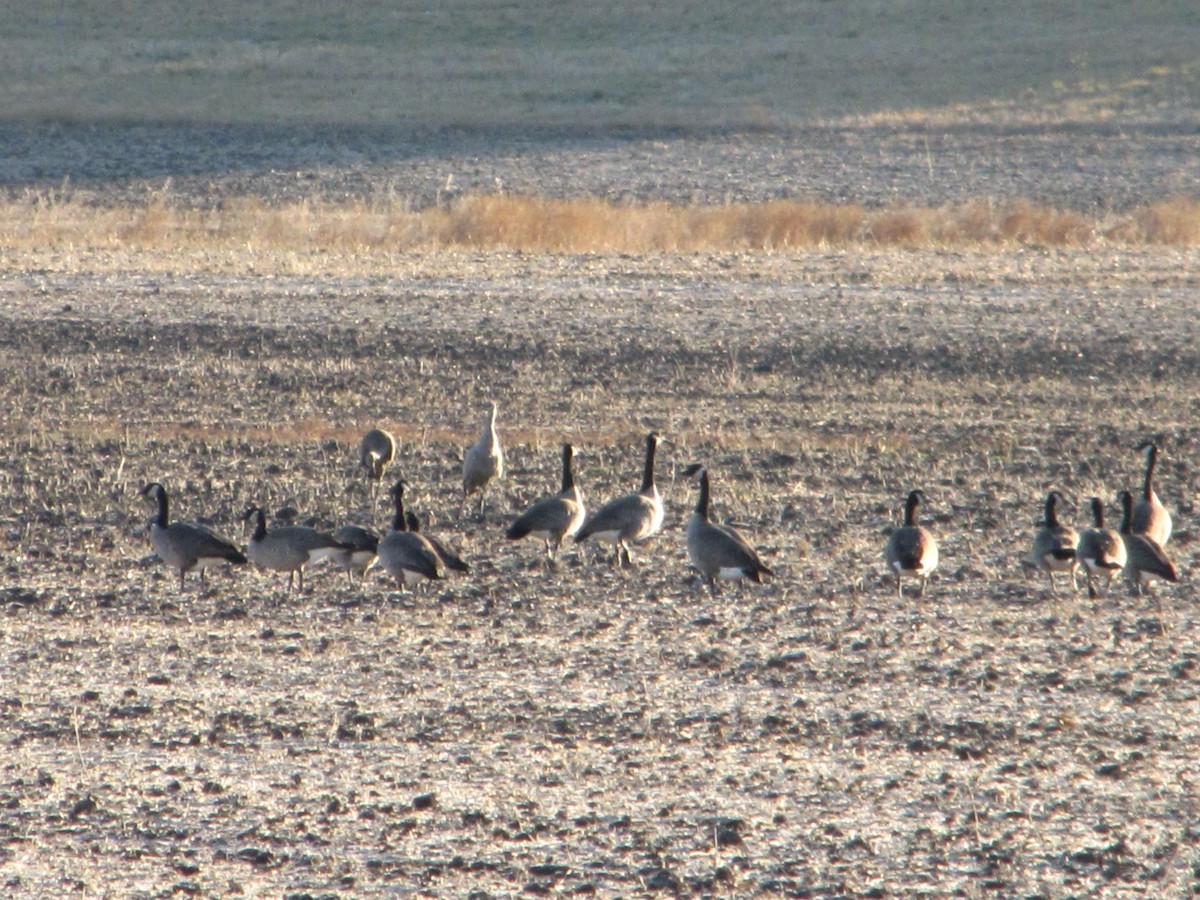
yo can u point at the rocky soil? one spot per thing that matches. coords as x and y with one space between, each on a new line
535 729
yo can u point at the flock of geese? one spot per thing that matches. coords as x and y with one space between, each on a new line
717 551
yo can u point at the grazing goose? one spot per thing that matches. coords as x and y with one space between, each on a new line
449 558
376 452
290 548
1146 560
1054 545
553 518
362 546
718 551
911 550
1101 550
1150 517
183 546
629 519
484 460
406 555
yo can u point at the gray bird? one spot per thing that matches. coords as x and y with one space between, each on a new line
1101 551
289 548
449 558
553 518
376 452
362 546
1054 545
718 551
183 546
1150 517
629 519
1146 561
911 550
483 461
405 555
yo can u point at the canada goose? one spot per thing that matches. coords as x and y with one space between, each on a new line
718 551
1146 560
483 461
183 546
631 518
406 555
553 518
362 546
449 558
290 548
1054 545
376 452
1150 517
912 550
1101 550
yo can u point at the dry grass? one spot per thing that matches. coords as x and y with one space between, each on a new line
587 225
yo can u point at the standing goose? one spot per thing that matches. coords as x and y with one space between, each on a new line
911 550
449 558
406 555
484 460
375 453
1150 517
1054 545
1101 550
553 518
1146 560
718 551
362 546
187 547
629 519
290 548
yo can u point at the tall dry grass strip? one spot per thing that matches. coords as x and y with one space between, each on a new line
539 224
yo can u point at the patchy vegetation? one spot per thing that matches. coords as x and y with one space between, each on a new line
541 225
537 728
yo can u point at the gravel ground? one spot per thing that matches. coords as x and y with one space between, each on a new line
535 729
1078 166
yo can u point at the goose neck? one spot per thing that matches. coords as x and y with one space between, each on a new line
648 471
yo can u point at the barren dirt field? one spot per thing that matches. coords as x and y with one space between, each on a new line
538 729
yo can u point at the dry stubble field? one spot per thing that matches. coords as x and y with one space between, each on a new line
573 729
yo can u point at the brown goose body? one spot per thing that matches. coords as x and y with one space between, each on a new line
1055 545
1146 560
183 546
718 551
1150 517
1100 550
911 552
629 519
553 519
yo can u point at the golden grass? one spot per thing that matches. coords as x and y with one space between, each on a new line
539 224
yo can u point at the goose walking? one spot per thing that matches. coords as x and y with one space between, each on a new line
449 558
1101 551
362 547
553 518
911 550
1054 545
483 461
629 519
1150 517
1146 561
183 546
289 548
405 555
375 453
718 551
